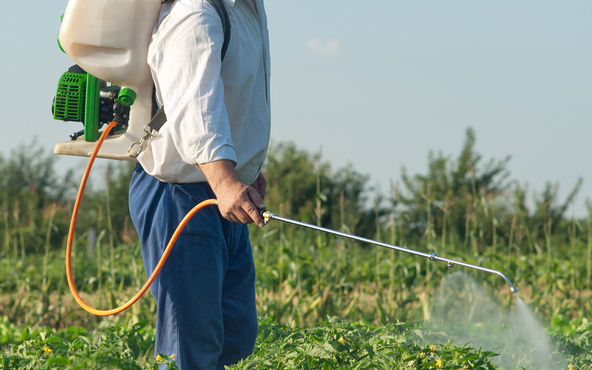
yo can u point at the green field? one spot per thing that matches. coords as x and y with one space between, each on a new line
324 302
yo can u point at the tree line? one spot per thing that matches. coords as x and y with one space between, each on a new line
461 200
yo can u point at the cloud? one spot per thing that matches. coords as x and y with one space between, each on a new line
326 49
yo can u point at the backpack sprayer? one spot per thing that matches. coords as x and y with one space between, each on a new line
111 84
108 40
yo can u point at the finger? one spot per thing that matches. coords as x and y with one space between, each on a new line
252 207
255 198
243 217
262 185
237 215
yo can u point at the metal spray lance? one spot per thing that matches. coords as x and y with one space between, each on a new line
268 216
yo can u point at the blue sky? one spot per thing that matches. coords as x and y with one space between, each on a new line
380 83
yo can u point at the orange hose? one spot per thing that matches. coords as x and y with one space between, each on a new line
73 226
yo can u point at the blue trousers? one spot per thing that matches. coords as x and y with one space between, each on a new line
205 292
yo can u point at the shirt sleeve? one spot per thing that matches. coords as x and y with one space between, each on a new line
185 58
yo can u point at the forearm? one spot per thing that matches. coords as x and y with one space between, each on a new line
219 174
237 202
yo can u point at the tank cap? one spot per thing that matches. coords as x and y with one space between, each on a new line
126 97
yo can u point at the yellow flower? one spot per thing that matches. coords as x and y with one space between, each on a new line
158 358
173 356
439 363
47 350
432 348
570 367
341 340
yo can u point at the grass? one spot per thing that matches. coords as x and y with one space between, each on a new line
299 285
117 347
335 344
331 344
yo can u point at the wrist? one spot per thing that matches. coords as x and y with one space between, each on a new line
219 174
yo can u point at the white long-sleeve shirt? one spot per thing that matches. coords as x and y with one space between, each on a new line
216 110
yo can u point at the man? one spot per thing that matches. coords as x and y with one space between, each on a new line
213 145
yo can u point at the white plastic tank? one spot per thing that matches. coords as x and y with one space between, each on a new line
109 39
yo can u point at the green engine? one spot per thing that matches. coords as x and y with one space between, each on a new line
81 97
70 97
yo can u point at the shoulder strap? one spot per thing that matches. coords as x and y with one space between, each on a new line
223 13
158 115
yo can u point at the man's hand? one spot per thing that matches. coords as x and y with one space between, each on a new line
237 202
260 185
